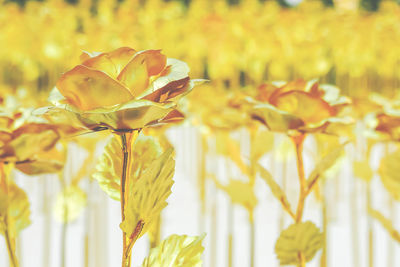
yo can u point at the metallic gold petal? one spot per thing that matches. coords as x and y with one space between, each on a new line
112 62
136 74
87 89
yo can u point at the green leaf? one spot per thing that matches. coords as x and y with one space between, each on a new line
298 238
148 194
176 251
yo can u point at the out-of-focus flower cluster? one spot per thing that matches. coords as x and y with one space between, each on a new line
250 42
301 72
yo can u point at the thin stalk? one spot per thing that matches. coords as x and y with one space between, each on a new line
47 224
125 260
298 141
64 229
284 185
9 237
64 241
87 225
10 248
230 222
391 254
252 177
252 240
323 262
214 230
230 236
302 260
354 224
127 138
370 230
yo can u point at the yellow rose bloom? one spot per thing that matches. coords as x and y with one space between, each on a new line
122 89
299 106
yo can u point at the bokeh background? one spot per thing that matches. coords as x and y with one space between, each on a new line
236 45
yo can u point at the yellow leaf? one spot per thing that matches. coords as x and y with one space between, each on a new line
14 205
389 171
362 170
177 251
261 143
386 223
230 148
285 151
69 204
275 188
109 168
325 164
148 195
298 238
241 193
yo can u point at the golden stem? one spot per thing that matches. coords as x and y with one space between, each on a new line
123 184
252 239
64 228
282 215
10 248
324 226
302 260
10 239
230 236
127 138
298 141
370 230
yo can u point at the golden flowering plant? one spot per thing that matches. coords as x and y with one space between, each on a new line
28 144
299 108
122 89
125 91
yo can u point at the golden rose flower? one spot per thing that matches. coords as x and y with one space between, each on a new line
122 89
30 145
386 125
299 106
218 108
383 120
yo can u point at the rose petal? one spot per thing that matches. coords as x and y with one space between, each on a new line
297 85
274 119
88 89
112 62
144 64
174 116
174 78
265 91
169 91
310 109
